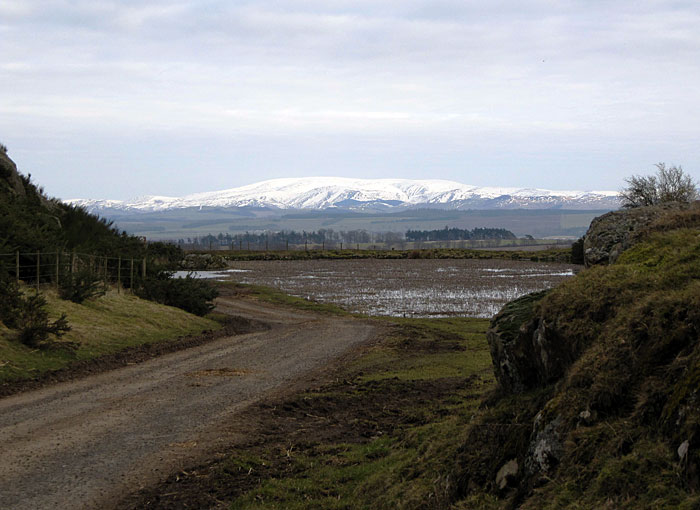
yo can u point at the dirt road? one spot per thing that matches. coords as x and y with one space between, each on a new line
85 444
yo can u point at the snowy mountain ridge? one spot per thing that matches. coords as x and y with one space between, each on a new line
364 194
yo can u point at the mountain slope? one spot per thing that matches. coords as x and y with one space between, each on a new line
365 194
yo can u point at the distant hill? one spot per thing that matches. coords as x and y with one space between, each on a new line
364 195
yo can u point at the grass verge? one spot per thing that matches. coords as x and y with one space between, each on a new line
383 434
278 297
101 326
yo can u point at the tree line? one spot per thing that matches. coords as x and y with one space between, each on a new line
459 234
328 237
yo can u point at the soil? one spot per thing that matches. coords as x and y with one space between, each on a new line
88 441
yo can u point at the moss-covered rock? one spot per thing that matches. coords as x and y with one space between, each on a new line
611 234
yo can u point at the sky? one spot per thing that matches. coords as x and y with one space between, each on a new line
119 99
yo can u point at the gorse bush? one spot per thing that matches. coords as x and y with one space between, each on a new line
80 285
190 294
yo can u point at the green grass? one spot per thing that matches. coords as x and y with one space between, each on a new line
278 297
452 347
101 326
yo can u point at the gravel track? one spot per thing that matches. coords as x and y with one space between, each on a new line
85 444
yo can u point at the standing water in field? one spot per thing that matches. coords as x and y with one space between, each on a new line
411 288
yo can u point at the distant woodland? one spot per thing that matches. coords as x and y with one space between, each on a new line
459 234
349 238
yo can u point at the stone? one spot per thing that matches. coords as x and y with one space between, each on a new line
683 450
546 449
507 475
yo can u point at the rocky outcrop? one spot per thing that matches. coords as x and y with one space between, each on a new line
10 176
611 234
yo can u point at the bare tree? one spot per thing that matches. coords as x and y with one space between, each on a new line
668 185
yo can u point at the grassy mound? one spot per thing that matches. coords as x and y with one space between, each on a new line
626 413
101 326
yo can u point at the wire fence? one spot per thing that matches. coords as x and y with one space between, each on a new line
47 269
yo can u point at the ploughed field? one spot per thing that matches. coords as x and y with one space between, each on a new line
411 288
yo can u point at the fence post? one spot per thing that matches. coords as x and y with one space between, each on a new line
119 275
143 268
17 264
106 279
72 263
131 276
38 270
57 267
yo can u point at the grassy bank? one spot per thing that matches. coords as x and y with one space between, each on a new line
102 326
384 434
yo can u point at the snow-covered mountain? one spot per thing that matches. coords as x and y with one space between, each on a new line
364 194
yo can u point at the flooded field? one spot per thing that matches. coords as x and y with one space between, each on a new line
411 288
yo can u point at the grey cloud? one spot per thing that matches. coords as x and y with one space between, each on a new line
590 75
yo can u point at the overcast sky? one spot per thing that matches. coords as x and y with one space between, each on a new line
116 99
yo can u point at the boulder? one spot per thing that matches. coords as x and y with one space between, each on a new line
526 350
507 475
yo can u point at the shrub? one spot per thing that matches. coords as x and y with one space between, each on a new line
80 286
668 185
34 325
577 255
28 315
190 294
